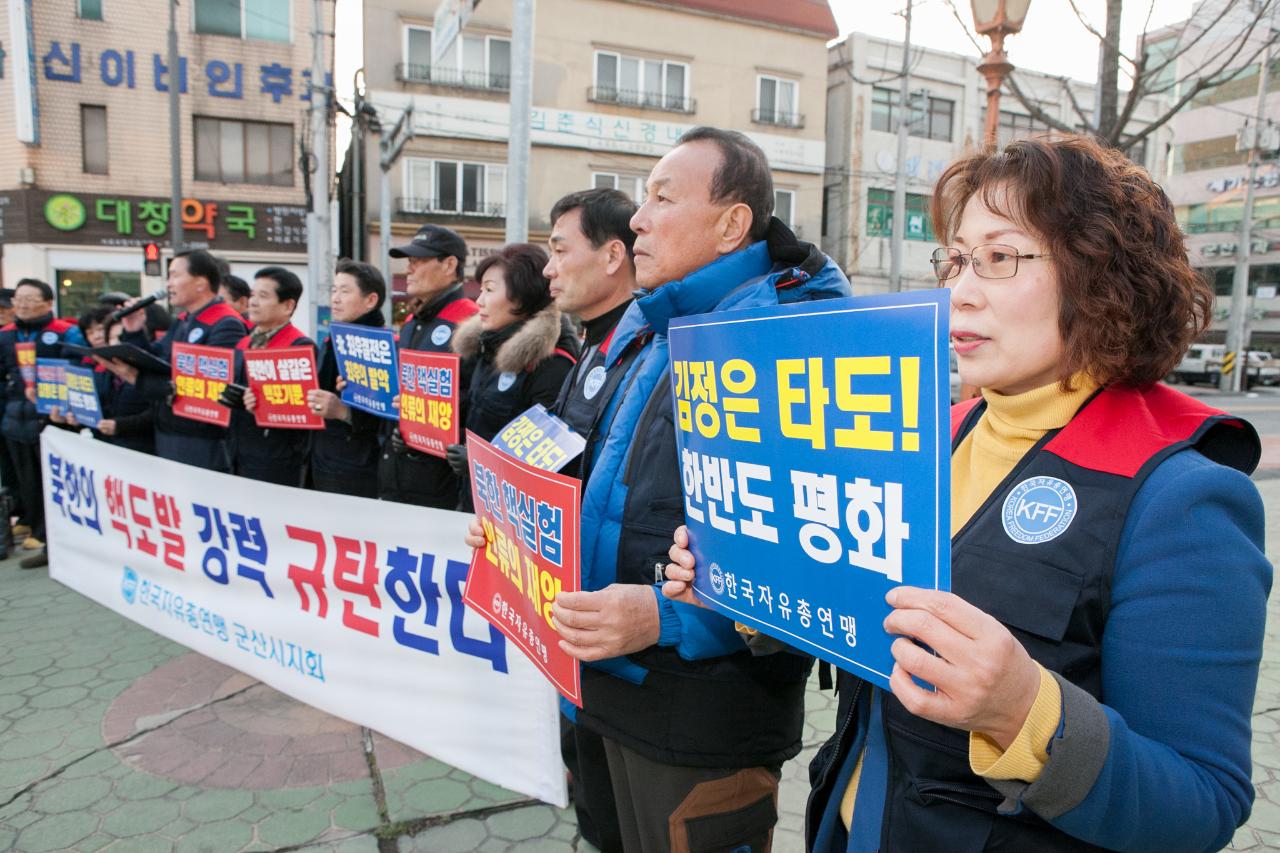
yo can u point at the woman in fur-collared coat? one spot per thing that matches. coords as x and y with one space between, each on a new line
521 347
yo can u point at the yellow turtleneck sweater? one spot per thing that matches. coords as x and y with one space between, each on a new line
1009 427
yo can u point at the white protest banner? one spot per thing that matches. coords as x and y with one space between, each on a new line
350 605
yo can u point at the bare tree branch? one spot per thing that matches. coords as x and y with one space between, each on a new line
1091 28
1036 111
1173 57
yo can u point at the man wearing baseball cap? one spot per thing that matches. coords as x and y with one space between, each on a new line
436 258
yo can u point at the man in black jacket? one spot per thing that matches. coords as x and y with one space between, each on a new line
592 278
344 456
193 286
436 257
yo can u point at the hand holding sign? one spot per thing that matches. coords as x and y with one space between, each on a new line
985 681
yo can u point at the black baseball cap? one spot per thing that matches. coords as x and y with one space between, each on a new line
433 241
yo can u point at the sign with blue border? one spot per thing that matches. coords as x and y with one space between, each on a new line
368 361
814 451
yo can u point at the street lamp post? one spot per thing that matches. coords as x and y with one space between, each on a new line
996 19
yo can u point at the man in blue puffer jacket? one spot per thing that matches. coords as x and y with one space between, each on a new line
696 727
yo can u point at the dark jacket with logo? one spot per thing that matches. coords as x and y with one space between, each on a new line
698 698
347 451
404 474
588 388
271 455
1124 553
215 325
513 368
21 421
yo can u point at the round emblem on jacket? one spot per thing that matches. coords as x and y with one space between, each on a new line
717 578
48 337
1039 509
506 380
440 335
195 335
595 380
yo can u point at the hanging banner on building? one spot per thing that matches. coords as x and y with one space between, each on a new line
280 379
538 438
351 606
367 360
814 448
51 385
82 396
429 400
200 375
26 354
530 520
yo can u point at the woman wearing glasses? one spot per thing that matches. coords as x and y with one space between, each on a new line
1096 664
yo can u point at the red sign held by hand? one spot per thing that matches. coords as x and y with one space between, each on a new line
530 520
429 400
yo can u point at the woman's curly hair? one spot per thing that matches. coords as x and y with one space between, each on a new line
1131 303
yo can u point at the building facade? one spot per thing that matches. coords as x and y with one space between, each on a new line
84 138
615 84
1208 172
945 111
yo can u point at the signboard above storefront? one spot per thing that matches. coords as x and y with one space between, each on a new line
41 216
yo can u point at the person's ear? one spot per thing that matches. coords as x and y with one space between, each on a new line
734 228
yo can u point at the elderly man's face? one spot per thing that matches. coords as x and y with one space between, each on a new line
677 227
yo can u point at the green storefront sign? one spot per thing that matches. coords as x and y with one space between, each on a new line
40 216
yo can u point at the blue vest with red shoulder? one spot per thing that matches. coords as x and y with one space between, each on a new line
434 333
1039 555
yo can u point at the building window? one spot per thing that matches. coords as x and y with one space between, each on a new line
880 216
1225 216
1208 154
93 139
784 207
244 19
230 151
450 186
89 10
931 118
631 81
1017 126
473 62
632 185
777 102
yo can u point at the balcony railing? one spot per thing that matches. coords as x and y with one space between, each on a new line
644 100
451 207
438 75
777 119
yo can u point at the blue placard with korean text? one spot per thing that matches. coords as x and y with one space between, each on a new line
815 461
51 385
82 396
538 438
367 360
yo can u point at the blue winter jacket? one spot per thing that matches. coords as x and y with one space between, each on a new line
626 541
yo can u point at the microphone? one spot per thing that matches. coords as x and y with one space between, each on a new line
120 313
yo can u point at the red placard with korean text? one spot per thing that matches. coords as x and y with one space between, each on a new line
429 400
200 374
530 520
280 379
26 352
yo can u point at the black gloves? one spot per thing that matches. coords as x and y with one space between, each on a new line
233 396
456 456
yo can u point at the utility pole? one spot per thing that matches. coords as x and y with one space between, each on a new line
319 260
175 134
521 107
1237 344
899 231
390 145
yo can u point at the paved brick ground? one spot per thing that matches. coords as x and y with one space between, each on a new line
113 738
